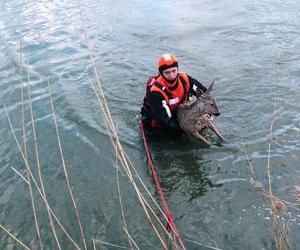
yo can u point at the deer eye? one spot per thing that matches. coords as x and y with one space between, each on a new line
211 104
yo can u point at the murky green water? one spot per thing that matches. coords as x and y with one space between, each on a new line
243 46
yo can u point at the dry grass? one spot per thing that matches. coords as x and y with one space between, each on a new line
41 183
297 194
278 206
133 178
120 152
65 167
36 184
157 220
25 154
14 237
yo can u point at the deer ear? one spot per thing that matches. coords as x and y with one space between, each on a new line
199 92
208 91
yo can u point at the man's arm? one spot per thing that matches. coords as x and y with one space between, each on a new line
196 86
162 112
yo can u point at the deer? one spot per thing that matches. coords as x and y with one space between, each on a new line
194 117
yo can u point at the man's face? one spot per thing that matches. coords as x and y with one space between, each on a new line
171 73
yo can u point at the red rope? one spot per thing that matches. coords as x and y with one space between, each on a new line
171 224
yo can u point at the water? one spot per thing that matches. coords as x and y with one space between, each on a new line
251 50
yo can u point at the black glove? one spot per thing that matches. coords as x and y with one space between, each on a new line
174 125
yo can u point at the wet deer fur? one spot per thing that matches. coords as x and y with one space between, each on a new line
196 116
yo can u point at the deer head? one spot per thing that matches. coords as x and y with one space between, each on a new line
194 117
206 103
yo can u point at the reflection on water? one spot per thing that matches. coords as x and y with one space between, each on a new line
188 174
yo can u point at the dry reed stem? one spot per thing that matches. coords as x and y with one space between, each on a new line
297 194
38 163
12 236
269 156
248 160
110 244
120 199
121 154
258 185
110 123
156 217
131 239
64 166
147 204
142 202
278 206
280 235
164 215
25 153
174 242
94 244
121 206
152 198
18 173
127 168
35 182
140 197
281 205
123 160
200 244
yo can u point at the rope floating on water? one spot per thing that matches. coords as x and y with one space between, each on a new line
170 224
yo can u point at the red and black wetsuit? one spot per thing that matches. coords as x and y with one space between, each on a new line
161 102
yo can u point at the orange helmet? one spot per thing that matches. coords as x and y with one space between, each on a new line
166 61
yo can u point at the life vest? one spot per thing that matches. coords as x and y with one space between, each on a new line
175 94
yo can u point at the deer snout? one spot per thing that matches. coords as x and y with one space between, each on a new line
217 114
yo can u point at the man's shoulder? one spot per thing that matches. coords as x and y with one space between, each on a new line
155 92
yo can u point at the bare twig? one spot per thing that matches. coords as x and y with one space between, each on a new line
120 199
110 123
12 236
25 153
280 234
35 182
201 244
131 239
277 205
128 165
124 162
64 166
297 194
94 244
110 244
152 198
18 173
38 163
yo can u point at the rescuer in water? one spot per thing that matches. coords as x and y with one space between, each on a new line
165 92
